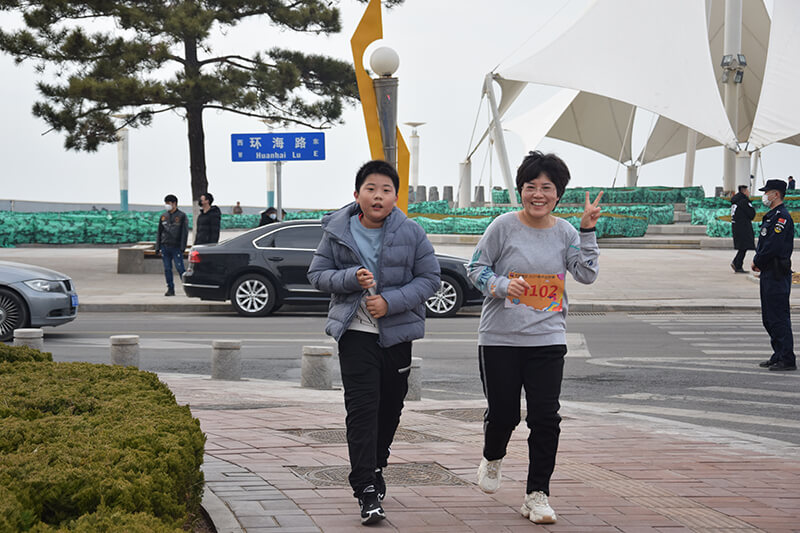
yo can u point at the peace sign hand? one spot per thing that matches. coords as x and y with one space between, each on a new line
591 211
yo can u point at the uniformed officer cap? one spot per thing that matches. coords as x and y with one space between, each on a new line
774 185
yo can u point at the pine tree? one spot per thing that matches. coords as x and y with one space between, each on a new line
158 58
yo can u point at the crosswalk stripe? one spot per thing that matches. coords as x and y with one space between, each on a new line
705 415
703 399
750 392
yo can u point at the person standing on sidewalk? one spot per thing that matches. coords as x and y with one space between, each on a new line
173 232
379 268
773 260
208 221
520 265
742 214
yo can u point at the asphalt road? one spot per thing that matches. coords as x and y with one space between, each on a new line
696 368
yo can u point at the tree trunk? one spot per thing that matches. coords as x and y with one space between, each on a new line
197 150
197 138
194 118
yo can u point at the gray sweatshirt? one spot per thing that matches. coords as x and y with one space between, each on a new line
509 245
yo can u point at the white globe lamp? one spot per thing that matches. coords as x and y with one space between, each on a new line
384 61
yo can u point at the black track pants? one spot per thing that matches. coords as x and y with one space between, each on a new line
504 371
375 383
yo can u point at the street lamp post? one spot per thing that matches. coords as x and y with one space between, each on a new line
122 161
413 178
384 62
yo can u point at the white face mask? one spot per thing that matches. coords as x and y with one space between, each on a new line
765 200
273 216
168 207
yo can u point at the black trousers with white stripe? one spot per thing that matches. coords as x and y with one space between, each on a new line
505 370
375 383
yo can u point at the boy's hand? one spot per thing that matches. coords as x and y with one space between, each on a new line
365 278
376 306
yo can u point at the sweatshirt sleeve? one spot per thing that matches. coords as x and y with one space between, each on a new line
325 276
582 257
481 268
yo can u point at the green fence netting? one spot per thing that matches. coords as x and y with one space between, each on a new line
93 227
619 195
607 225
722 228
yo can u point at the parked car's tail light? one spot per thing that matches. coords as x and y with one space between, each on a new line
194 256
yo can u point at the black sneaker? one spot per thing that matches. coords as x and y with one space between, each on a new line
371 510
766 364
380 484
170 292
781 365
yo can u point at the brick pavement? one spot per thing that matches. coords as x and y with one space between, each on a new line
276 458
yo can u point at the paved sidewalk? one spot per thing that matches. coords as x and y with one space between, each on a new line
277 462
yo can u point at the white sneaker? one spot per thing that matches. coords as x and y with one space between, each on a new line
536 508
489 475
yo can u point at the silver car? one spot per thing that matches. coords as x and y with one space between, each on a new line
32 297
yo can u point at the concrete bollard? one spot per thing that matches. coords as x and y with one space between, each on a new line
415 380
226 360
433 193
479 201
420 195
411 195
125 350
315 372
31 337
447 194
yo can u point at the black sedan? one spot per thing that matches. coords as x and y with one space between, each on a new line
266 267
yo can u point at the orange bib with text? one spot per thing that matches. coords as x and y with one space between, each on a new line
546 292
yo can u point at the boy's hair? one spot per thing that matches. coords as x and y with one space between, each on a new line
209 197
377 166
536 163
171 198
742 188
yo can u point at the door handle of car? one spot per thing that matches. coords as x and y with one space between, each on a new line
275 258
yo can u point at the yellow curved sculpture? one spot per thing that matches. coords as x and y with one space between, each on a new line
369 30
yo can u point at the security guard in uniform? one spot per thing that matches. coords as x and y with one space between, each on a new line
774 260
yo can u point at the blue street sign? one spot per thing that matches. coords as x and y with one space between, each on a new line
278 146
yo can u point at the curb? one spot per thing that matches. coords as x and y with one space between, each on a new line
219 514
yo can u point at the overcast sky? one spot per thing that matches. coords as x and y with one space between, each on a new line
446 47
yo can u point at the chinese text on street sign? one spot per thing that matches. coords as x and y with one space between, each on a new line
278 146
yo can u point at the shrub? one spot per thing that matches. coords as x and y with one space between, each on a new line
15 354
81 444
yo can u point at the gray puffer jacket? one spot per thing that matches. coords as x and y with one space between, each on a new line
408 275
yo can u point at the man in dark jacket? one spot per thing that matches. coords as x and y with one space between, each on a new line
773 260
173 232
208 221
742 214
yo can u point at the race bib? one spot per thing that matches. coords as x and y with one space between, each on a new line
545 294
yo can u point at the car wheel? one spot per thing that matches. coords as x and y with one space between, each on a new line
447 300
13 314
253 295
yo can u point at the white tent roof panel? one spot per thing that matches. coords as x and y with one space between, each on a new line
615 36
778 115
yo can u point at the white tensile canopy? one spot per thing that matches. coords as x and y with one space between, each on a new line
596 122
668 137
613 51
778 115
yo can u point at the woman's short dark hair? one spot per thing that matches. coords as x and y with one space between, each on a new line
377 166
209 197
537 163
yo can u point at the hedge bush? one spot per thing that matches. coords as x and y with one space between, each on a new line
15 354
87 447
